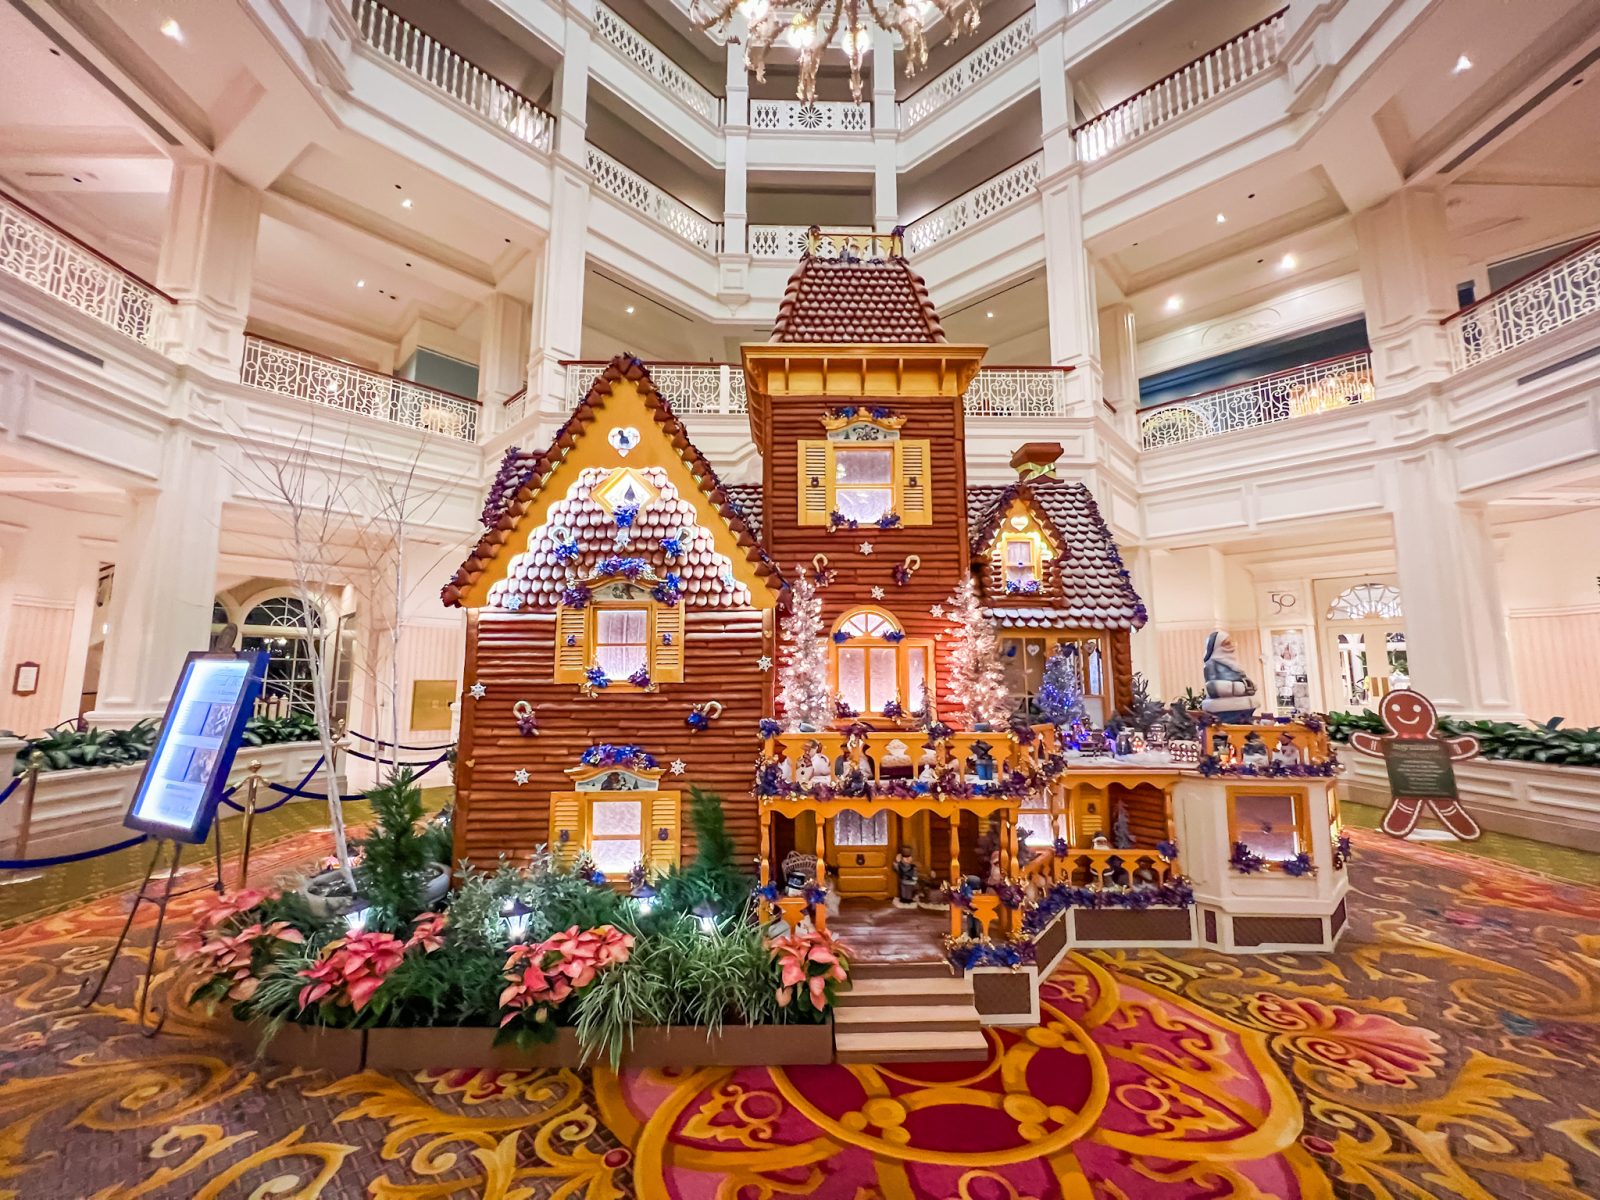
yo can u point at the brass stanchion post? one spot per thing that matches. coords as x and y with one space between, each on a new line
251 783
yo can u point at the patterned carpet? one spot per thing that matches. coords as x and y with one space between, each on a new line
1448 1049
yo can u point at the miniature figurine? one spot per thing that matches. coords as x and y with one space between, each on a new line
1287 754
1228 688
905 869
1124 742
983 762
1254 751
1101 842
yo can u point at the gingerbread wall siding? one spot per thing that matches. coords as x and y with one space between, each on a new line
512 655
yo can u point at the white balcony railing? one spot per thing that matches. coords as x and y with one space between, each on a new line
1314 388
660 206
1540 303
719 388
1015 40
52 260
288 371
642 53
1231 64
788 242
1013 186
497 102
816 116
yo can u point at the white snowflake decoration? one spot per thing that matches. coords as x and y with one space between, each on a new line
938 611
476 691
520 776
865 547
877 593
678 766
511 603
764 663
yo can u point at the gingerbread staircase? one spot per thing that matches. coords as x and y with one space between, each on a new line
907 1012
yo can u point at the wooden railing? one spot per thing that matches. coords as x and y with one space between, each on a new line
1541 302
885 757
39 252
1303 391
1197 82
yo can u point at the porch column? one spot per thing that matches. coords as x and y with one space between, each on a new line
1457 648
207 265
164 585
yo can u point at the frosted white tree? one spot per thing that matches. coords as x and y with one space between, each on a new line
977 683
804 693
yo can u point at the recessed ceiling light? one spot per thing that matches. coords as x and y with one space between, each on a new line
361 283
989 315
1174 303
1287 262
171 29
1222 218
1462 64
629 310
406 203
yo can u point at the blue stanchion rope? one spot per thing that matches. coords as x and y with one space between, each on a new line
347 798
17 864
361 737
305 779
11 787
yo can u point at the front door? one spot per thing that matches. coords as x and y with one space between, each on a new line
859 850
1366 659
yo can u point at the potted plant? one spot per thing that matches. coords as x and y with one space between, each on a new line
403 866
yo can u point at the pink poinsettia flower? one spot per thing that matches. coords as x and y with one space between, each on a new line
351 970
230 905
1369 1047
428 932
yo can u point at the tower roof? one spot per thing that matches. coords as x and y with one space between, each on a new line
850 299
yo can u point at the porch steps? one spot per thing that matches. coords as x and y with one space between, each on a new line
907 1012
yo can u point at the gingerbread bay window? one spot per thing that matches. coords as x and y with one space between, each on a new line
621 633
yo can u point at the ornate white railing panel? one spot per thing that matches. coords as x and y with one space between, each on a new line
1015 40
287 371
1560 294
819 116
1080 5
496 102
1243 58
1011 187
34 251
688 387
1017 392
642 53
789 241
1316 387
662 207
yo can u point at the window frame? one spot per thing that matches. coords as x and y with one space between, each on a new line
593 643
918 450
1049 637
1299 797
903 648
1035 556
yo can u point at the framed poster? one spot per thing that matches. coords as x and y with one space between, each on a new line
430 704
183 780
26 681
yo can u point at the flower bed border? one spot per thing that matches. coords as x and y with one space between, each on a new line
433 1047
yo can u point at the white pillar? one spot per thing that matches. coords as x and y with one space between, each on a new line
1457 648
1405 256
1069 289
885 135
207 263
503 348
1119 363
571 87
736 143
1145 642
165 582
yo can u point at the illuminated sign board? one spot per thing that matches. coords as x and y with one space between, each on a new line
183 780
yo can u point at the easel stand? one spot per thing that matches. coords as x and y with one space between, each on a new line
160 898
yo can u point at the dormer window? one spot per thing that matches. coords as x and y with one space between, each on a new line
1020 555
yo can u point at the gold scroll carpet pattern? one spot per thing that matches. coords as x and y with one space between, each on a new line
1449 1048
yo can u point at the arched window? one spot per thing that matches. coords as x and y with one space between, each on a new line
1366 600
283 626
875 663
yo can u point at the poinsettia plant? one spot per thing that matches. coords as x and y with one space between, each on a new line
811 966
350 972
542 976
234 938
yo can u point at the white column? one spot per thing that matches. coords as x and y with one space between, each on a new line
503 348
207 263
557 319
736 143
885 135
1069 288
1119 363
165 582
1405 257
1457 647
1145 642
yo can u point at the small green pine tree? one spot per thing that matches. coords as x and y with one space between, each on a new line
1141 711
396 857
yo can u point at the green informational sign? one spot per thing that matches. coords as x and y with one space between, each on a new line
1419 768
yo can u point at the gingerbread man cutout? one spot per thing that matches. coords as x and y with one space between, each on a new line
1410 718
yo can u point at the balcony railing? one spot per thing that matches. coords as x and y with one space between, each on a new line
816 116
719 388
1237 60
1013 186
49 258
289 371
496 101
1015 40
788 241
656 203
642 53
1302 392
1537 304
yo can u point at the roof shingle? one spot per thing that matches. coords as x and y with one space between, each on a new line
852 300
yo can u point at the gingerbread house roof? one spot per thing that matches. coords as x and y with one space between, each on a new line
1096 591
523 475
854 300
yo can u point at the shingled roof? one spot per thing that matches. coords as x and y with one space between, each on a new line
854 300
523 474
1096 589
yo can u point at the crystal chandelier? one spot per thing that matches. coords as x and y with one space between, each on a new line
813 25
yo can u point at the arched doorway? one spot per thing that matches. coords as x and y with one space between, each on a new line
1364 642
